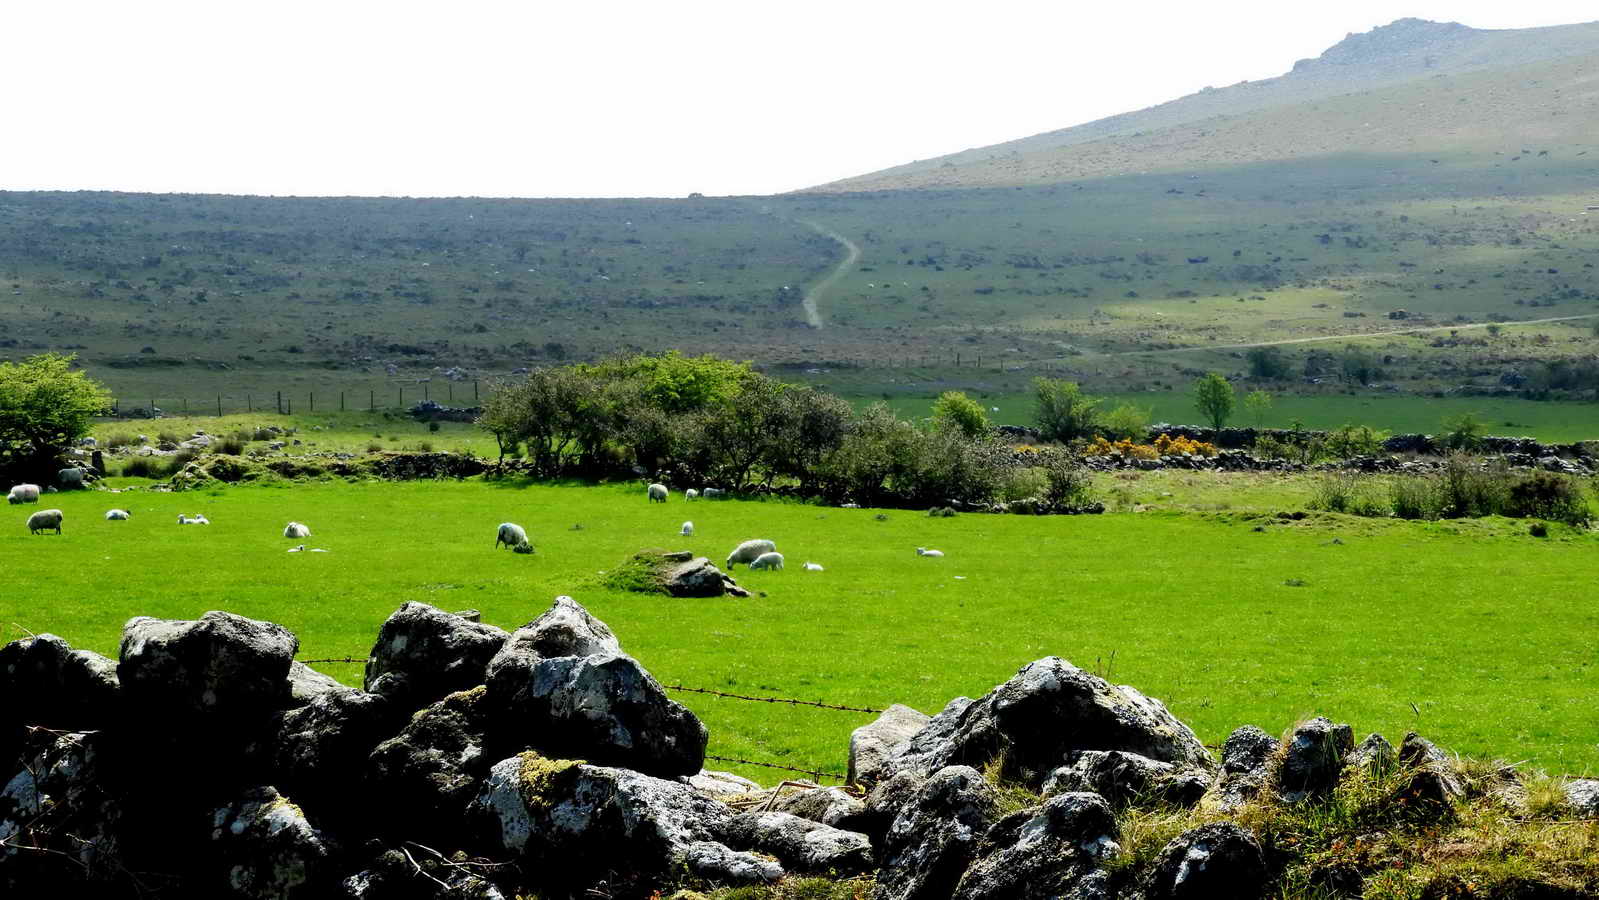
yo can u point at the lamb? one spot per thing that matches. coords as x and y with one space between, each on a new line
772 560
691 495
510 534
657 493
23 493
688 529
118 515
813 567
296 530
748 551
44 519
195 519
922 551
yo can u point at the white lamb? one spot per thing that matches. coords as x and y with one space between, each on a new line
296 530
45 519
691 495
768 561
510 534
749 550
657 493
813 567
688 529
23 493
117 515
196 519
921 551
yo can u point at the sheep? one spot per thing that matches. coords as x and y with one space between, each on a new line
43 519
117 515
296 530
691 495
657 493
195 519
813 567
23 493
922 551
749 550
714 494
510 534
688 529
299 549
70 478
772 560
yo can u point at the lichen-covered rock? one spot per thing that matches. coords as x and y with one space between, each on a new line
1042 718
1313 759
934 838
886 801
1245 760
1216 860
721 784
699 577
423 778
1582 794
45 682
269 850
1374 755
393 875
423 653
579 824
221 666
60 802
312 750
720 864
803 845
1127 779
1045 852
828 805
565 629
1433 780
871 744
307 684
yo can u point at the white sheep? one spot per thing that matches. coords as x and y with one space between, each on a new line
299 549
688 529
813 567
510 534
118 515
296 530
70 478
657 493
45 519
772 560
922 551
195 519
691 495
714 494
850 506
23 493
748 551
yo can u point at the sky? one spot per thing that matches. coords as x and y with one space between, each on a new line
609 99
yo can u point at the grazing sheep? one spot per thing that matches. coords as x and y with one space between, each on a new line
749 550
813 567
714 494
921 551
688 529
510 534
296 530
657 493
772 560
70 478
43 519
118 515
23 493
691 495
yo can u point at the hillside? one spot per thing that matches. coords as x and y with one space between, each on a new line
1411 86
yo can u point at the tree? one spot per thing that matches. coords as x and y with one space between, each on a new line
1267 362
1127 421
45 408
1258 403
1361 366
1063 413
1214 398
953 411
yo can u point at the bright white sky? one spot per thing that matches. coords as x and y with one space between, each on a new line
567 98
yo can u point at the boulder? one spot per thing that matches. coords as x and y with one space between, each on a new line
60 802
394 875
1245 760
1127 779
221 666
934 838
871 744
804 846
45 682
269 850
1216 860
1374 755
565 629
722 864
306 684
828 805
1046 852
1433 780
423 653
1582 794
1313 759
721 784
699 577
885 802
423 778
312 750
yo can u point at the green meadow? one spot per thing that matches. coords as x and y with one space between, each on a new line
1473 633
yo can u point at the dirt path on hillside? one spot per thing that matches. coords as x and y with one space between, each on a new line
852 255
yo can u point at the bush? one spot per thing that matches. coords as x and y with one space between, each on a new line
374 447
1024 482
168 437
1354 440
1414 498
1126 421
141 467
1070 485
1545 495
1463 432
120 439
229 446
433 426
1468 489
262 434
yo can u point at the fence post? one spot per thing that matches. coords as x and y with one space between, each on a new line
371 400
185 402
402 398
424 392
474 391
249 403
451 388
341 401
219 406
313 401
280 403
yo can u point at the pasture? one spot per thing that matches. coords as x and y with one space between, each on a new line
1473 633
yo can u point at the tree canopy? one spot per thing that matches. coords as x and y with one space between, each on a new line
1062 412
45 407
1214 399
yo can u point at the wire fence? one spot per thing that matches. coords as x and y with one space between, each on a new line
389 397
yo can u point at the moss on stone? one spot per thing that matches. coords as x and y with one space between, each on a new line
541 779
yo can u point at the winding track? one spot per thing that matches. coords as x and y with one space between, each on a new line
851 257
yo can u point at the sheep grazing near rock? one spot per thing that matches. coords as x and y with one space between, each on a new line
296 530
23 493
923 551
773 560
688 529
813 567
657 493
510 534
117 515
691 495
749 551
45 519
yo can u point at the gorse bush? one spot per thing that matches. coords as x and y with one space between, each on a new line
1354 440
1545 495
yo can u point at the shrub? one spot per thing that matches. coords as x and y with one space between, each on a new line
262 434
1414 497
229 446
1463 432
1468 489
120 439
1020 483
1070 485
1166 445
1545 495
140 467
374 447
1062 413
1354 440
953 410
1127 421
1334 492
433 427
168 437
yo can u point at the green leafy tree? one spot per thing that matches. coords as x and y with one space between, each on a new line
953 411
1126 421
1215 399
1063 413
675 383
1258 403
1267 362
1463 432
45 408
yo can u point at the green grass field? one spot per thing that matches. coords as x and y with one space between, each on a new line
1473 633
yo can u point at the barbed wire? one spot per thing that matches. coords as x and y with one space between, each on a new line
766 765
789 700
344 659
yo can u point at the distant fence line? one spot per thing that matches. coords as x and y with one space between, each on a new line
285 402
